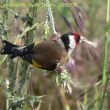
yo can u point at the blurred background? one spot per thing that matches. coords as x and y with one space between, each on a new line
87 17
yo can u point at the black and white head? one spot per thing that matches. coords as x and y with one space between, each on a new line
71 40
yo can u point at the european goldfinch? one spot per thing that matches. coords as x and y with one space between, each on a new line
48 54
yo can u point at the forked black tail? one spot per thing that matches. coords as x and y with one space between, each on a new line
15 50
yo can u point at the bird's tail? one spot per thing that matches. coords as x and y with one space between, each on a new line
8 48
15 50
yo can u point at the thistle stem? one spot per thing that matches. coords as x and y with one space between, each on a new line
51 17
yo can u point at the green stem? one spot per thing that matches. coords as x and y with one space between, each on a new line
25 73
104 78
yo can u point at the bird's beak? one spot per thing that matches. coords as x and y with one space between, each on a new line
83 39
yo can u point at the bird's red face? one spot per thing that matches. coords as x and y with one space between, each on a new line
77 38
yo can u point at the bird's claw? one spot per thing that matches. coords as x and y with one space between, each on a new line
59 69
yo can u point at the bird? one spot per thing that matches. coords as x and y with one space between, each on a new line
47 54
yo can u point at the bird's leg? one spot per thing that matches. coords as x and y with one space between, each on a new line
59 68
